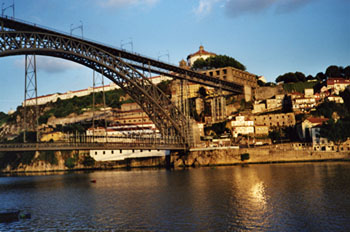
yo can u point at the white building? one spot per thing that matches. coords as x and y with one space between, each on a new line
84 92
303 104
115 155
336 99
242 126
311 129
337 84
201 54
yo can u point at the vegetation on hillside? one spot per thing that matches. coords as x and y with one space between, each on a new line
3 118
62 108
331 71
219 61
336 131
298 86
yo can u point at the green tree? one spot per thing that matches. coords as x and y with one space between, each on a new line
336 132
291 77
334 71
69 162
219 61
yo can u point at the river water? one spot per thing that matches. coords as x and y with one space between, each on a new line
269 197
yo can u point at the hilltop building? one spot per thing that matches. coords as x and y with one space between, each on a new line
200 54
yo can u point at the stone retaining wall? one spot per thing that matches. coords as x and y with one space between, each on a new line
256 155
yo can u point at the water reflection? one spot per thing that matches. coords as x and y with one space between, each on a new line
276 197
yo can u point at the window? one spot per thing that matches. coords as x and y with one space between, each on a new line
112 152
104 152
95 152
225 71
217 72
211 74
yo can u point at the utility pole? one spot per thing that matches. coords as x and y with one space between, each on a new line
122 44
3 9
81 27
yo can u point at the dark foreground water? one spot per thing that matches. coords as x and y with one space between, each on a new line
273 197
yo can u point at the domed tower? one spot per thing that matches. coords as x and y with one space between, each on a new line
198 55
183 64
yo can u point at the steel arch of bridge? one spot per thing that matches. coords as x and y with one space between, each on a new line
168 118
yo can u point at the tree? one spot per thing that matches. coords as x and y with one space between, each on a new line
347 72
334 71
289 77
321 76
219 61
301 76
336 132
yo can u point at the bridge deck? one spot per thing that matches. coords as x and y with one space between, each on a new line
86 146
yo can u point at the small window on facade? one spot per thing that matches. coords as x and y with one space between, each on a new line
95 152
217 72
104 152
112 152
225 71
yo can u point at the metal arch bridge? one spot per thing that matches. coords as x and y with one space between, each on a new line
123 68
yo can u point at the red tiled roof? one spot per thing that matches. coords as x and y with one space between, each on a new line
200 52
332 81
318 121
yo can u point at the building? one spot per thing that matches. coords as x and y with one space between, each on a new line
233 75
241 126
303 104
336 99
311 129
115 155
309 92
42 100
258 107
130 113
200 54
337 85
275 120
274 104
57 136
261 130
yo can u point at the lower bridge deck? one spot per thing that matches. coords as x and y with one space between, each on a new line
87 146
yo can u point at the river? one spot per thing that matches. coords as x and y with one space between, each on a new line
269 197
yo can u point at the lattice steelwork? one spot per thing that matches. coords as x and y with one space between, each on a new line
168 119
98 81
120 66
30 95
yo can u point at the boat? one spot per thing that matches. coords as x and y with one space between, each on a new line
9 215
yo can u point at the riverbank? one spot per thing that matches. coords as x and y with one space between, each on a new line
192 158
270 154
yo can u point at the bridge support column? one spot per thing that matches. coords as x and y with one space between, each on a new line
30 104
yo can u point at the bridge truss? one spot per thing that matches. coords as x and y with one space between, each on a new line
123 68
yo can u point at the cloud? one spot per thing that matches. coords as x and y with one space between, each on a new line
290 5
236 8
126 3
205 7
50 64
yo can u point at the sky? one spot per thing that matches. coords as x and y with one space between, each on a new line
270 37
